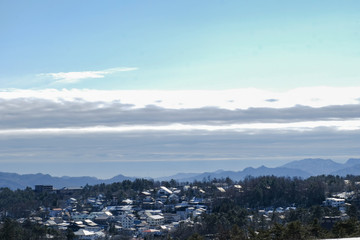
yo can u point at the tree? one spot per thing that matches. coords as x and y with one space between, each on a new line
277 232
315 229
70 234
352 211
295 231
236 233
10 230
195 236
346 228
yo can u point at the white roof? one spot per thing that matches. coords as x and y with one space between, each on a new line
156 217
128 201
83 232
335 199
166 189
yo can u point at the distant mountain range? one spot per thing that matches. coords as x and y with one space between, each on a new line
301 168
17 181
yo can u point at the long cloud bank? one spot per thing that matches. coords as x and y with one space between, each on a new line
68 126
222 110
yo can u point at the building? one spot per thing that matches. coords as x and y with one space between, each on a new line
164 191
128 221
44 188
334 202
155 220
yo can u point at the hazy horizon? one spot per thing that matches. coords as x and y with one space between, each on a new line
173 168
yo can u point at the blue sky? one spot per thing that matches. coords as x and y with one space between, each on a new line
181 44
151 88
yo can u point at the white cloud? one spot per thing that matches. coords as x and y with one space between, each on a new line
127 126
74 77
315 97
243 110
250 128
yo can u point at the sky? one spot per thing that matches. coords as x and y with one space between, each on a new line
153 88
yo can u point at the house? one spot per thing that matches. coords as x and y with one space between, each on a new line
164 191
173 198
93 215
150 232
91 226
128 221
50 223
55 212
171 217
79 216
155 220
88 235
198 212
119 210
127 201
334 202
71 201
181 210
145 194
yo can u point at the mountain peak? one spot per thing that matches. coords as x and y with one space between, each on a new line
353 161
315 166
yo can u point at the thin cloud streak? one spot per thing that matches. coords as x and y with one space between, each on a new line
74 77
347 125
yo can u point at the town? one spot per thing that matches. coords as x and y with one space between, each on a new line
209 209
154 212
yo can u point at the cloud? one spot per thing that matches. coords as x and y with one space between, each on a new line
236 99
250 128
74 77
78 113
151 126
90 109
271 100
175 147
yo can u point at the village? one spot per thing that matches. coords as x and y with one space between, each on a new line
154 212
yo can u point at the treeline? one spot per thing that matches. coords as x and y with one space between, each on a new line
23 203
237 214
13 230
231 221
121 190
289 231
255 192
281 191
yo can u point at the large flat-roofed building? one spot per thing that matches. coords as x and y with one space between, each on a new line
44 188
